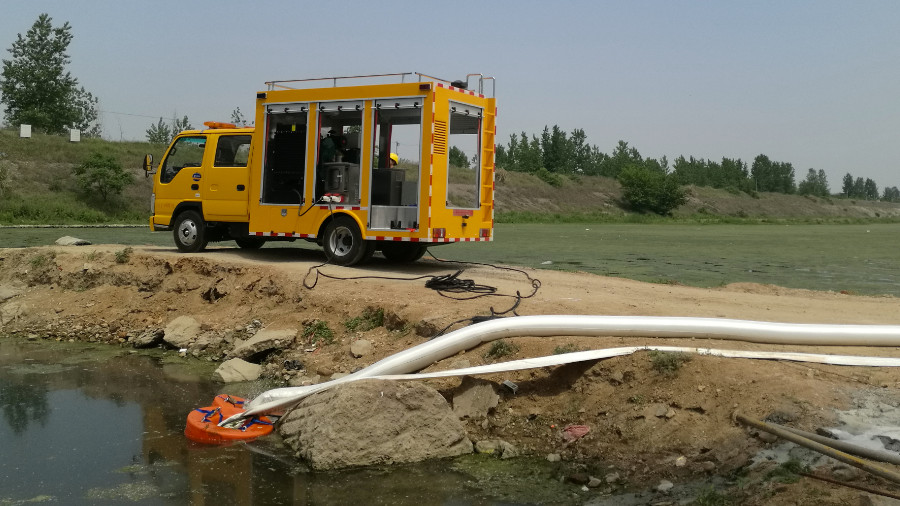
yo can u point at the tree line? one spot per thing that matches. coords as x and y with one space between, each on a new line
556 152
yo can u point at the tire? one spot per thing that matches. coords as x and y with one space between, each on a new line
402 252
250 242
343 242
189 232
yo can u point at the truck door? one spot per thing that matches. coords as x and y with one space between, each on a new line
179 176
224 183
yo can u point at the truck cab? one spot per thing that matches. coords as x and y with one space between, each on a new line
204 173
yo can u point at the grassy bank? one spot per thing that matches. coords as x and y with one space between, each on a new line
37 186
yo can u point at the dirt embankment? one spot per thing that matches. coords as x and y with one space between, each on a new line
642 418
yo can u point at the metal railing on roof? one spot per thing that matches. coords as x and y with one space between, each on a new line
402 77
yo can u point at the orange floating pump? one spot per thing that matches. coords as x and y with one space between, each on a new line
203 423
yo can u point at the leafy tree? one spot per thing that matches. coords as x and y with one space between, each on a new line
458 158
525 155
501 157
650 190
160 133
859 188
847 187
556 150
102 173
37 89
815 184
180 125
621 157
770 176
891 194
870 190
87 117
238 118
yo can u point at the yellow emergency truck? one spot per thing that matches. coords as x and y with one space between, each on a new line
357 164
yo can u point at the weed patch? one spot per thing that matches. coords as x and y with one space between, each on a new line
370 319
500 349
711 497
566 348
668 363
637 399
318 332
123 256
41 260
789 472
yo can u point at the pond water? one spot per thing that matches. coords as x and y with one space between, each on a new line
97 424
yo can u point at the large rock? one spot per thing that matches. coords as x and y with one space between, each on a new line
475 398
361 348
11 311
149 338
8 292
264 340
237 370
68 240
373 422
181 331
497 447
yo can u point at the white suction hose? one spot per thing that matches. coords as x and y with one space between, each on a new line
427 353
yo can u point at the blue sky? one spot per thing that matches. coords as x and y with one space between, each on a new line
814 83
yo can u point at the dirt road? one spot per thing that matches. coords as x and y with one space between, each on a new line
641 418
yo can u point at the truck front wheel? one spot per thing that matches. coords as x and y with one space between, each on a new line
190 232
344 244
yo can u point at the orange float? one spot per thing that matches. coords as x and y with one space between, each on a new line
203 423
228 401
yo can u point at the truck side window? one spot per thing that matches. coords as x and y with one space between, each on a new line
285 156
232 151
185 152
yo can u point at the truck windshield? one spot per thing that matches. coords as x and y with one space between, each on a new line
185 152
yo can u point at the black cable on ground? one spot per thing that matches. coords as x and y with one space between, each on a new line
535 284
327 260
448 285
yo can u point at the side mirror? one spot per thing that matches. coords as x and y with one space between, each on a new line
148 164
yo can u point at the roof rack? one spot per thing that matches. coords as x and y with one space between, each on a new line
402 77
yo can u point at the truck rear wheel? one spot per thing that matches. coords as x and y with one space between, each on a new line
190 232
250 242
402 252
343 242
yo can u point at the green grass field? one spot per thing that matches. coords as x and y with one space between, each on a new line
861 259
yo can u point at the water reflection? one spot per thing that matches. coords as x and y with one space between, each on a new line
88 424
23 403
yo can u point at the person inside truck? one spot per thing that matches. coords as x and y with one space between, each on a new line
393 160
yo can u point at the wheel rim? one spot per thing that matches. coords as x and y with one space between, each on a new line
341 241
187 232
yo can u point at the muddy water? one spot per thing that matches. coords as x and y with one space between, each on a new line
96 424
